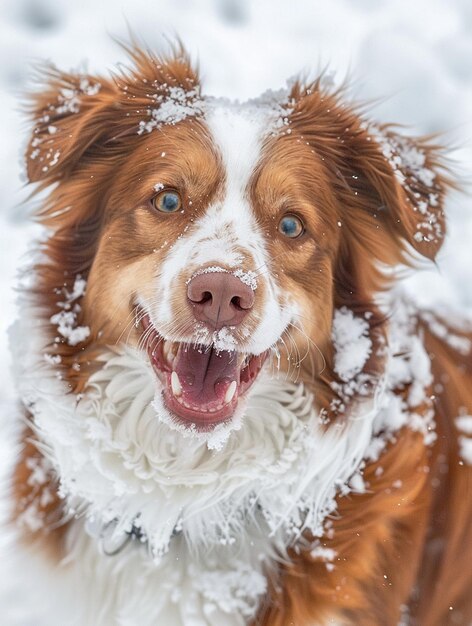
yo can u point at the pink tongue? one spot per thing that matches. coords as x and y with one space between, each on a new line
205 374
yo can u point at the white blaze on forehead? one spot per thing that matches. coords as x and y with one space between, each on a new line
238 136
229 224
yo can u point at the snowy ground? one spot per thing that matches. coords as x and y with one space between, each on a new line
416 56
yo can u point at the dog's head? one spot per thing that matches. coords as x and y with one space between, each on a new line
218 237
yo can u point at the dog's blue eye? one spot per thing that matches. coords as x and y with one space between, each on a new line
167 201
291 226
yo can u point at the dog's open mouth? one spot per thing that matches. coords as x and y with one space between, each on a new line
202 385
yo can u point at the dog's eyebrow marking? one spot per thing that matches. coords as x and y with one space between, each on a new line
237 133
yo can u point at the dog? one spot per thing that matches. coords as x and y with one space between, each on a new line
233 413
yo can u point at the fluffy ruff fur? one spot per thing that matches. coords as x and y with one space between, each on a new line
226 516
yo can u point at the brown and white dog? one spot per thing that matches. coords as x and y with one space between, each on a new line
234 416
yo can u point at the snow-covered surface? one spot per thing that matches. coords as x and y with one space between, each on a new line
416 56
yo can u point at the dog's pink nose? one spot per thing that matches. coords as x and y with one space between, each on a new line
219 299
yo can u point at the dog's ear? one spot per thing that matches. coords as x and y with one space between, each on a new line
70 115
78 116
401 183
390 187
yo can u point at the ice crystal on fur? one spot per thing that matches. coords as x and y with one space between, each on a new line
403 154
352 349
172 107
327 555
66 320
248 278
66 326
277 103
466 449
408 367
52 359
69 97
32 515
177 104
270 111
235 591
351 342
408 162
224 340
464 425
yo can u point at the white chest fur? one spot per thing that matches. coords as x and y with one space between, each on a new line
214 519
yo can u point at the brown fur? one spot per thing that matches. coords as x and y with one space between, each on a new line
408 544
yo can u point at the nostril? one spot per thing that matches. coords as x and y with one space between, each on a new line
206 297
243 301
236 302
200 297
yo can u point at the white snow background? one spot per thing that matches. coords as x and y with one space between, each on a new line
414 56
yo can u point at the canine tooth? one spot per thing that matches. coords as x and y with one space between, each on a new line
168 350
230 392
175 384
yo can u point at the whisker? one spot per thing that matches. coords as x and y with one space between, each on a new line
289 357
318 349
297 362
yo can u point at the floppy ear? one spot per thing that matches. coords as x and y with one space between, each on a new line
78 116
402 182
70 116
390 187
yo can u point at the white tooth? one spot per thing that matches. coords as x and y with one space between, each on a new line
230 392
175 384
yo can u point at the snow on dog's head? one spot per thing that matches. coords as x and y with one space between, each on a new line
218 240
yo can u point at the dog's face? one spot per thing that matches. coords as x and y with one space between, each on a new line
217 238
215 243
